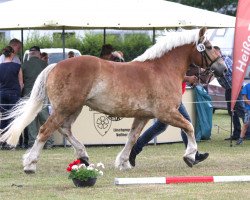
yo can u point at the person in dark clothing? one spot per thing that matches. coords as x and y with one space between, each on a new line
31 69
226 82
106 52
158 127
11 83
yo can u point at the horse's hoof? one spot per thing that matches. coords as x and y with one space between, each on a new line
29 172
6 146
188 161
84 160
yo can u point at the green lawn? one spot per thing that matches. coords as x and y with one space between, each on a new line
51 182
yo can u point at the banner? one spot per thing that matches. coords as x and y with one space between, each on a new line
241 51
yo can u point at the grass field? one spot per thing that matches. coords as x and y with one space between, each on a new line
51 180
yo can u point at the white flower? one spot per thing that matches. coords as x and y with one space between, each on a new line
74 167
92 165
90 168
100 165
82 166
101 172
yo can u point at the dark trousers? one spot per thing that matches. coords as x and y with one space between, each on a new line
238 113
7 101
156 129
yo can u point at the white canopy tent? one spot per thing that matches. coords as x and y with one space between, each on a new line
124 14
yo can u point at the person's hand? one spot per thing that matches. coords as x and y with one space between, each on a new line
193 80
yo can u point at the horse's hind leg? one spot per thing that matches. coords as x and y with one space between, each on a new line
121 161
46 130
65 130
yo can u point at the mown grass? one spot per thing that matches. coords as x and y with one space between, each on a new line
51 182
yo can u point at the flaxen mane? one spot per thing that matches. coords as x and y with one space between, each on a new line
167 42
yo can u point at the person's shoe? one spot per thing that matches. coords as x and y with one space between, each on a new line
199 157
239 141
132 157
233 138
48 146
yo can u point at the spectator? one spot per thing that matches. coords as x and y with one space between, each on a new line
16 46
106 52
11 83
31 69
71 54
117 56
158 127
226 82
246 98
45 57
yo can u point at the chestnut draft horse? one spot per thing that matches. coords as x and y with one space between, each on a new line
148 87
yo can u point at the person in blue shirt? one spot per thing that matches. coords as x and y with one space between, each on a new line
246 97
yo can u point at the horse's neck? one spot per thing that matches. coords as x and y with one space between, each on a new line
177 60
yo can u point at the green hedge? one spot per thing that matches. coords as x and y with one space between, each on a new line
132 45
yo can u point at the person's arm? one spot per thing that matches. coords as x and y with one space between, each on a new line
246 100
20 78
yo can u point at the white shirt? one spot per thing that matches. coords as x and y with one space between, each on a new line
15 59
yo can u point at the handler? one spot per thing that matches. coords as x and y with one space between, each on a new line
158 127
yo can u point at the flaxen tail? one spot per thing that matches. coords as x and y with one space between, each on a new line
25 111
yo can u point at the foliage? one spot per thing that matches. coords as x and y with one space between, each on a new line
80 171
92 44
3 43
132 45
225 7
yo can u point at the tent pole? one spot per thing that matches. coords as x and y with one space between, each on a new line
63 41
231 131
63 44
22 45
153 35
104 36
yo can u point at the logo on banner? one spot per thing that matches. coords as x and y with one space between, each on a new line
112 118
102 123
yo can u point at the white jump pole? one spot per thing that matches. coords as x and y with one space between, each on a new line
181 179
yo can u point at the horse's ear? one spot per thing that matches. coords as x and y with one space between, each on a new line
202 31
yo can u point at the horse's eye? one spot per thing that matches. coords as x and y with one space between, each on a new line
209 47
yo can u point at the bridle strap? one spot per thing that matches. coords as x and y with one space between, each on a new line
207 72
206 56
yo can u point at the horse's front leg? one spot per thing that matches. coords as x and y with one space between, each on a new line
177 120
122 161
189 156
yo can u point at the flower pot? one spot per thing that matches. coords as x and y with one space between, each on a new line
88 183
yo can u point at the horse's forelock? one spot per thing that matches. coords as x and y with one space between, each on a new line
171 39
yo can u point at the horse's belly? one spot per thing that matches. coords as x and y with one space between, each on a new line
121 109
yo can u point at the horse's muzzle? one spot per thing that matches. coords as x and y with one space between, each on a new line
219 70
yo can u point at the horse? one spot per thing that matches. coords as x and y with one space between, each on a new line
150 86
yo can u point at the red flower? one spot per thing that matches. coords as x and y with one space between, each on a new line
76 162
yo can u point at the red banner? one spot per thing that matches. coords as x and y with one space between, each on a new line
241 51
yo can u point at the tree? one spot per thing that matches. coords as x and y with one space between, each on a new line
226 7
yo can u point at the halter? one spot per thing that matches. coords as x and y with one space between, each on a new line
201 47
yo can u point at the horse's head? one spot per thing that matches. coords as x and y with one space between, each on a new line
207 57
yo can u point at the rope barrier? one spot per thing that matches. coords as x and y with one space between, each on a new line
187 102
